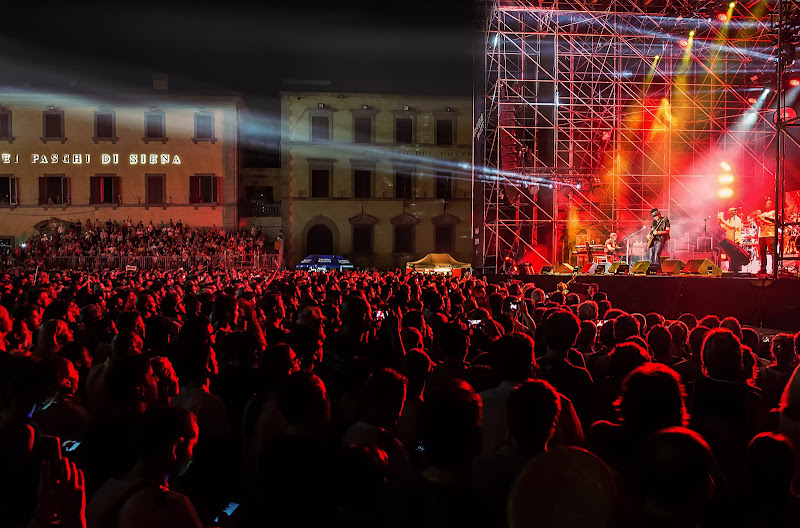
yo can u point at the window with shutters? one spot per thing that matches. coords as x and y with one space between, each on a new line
5 126
53 126
444 185
362 129
443 238
203 188
204 127
155 127
105 127
404 130
8 189
444 131
362 238
320 129
104 189
155 188
54 190
362 183
404 239
403 185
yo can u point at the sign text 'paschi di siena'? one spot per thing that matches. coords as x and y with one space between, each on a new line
86 159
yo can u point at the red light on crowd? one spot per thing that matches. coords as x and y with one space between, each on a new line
794 82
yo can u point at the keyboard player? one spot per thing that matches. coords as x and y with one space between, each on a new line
611 246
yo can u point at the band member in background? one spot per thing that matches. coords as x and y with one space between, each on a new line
611 246
659 234
731 223
766 234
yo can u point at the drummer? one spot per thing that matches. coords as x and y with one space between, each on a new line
731 223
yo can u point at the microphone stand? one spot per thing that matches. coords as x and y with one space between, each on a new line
628 244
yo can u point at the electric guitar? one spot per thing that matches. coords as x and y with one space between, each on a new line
651 235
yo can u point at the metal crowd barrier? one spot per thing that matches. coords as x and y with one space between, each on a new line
236 261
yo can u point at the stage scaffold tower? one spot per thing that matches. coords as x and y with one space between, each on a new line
595 112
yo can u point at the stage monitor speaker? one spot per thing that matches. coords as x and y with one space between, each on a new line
672 267
618 268
590 268
547 270
564 269
701 267
603 268
640 268
737 255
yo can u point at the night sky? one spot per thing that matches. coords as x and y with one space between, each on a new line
246 47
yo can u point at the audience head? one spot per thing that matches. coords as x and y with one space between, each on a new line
709 321
561 329
784 352
126 343
658 340
384 397
130 384
53 335
652 398
166 379
512 357
167 437
679 333
564 487
722 355
362 483
587 311
533 410
696 338
676 473
689 320
626 357
625 326
417 367
652 319
732 324
771 466
450 425
454 342
587 336
303 402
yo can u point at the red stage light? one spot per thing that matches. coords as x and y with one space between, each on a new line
752 100
794 82
683 43
722 17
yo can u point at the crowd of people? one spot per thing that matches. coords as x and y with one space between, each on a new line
361 399
126 238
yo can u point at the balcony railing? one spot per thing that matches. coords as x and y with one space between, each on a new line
255 209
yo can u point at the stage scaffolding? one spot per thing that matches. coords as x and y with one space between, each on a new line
582 130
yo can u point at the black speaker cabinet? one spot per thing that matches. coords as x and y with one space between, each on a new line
737 255
547 270
564 269
701 267
640 268
618 268
672 267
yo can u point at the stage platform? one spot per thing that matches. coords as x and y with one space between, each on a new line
756 302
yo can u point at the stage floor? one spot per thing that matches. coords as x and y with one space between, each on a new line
760 302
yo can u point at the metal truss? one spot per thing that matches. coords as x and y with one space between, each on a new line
596 112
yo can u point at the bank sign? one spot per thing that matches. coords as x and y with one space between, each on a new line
87 159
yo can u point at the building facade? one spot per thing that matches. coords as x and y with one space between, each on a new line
153 157
382 179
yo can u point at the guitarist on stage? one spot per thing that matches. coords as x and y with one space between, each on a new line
659 234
